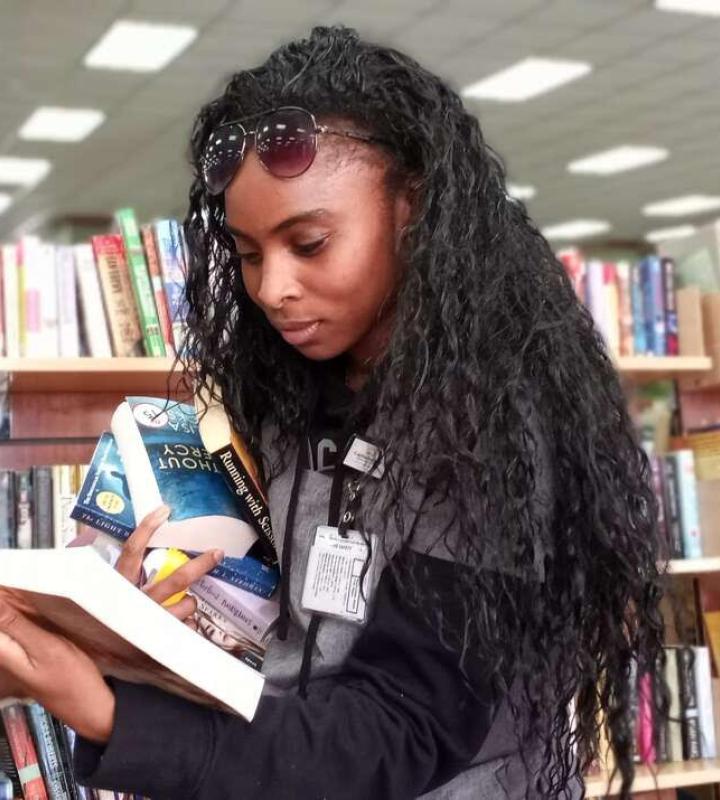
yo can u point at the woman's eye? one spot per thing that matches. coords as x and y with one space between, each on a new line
310 248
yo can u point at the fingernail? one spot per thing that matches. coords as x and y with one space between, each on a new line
218 556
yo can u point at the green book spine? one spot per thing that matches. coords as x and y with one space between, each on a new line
140 278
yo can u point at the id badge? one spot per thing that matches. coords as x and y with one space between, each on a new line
334 569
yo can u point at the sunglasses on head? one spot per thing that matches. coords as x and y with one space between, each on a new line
285 139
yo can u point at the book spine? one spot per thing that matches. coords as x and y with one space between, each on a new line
627 344
241 614
689 704
49 319
140 279
633 709
11 300
69 339
657 484
688 503
674 715
42 506
658 307
638 309
31 297
7 765
118 293
672 509
672 345
7 509
646 285
645 732
612 307
241 483
169 250
48 752
247 574
703 684
92 308
65 489
575 268
91 517
596 295
158 289
661 733
24 753
66 758
24 509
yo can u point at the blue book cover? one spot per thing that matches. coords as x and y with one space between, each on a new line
165 462
104 500
638 310
646 286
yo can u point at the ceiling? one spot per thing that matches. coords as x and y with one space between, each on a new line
656 81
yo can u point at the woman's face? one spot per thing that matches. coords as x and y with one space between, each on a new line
319 251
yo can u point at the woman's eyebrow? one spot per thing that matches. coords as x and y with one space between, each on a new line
305 216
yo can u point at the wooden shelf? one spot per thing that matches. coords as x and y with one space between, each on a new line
694 566
131 375
669 776
647 368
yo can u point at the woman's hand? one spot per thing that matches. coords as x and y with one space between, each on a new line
129 564
55 673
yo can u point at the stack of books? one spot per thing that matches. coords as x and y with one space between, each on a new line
120 294
634 304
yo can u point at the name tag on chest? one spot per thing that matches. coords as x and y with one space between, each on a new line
336 581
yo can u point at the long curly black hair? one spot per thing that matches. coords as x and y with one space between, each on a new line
487 326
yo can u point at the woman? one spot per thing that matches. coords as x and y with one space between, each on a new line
357 268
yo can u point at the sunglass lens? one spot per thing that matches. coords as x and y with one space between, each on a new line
286 142
223 154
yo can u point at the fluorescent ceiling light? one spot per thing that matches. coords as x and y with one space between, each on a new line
682 206
520 192
576 229
528 78
5 202
139 46
49 123
663 234
709 7
618 159
23 171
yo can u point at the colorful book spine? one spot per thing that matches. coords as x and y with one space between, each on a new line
118 293
574 265
657 483
612 307
690 712
24 753
2 309
170 257
654 304
42 507
627 342
672 508
672 345
686 486
596 294
140 278
67 302
66 485
92 308
645 731
156 280
247 573
31 272
674 716
49 342
11 300
638 309
47 748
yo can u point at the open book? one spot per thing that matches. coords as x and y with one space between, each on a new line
76 593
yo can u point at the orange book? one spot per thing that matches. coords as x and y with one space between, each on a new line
156 280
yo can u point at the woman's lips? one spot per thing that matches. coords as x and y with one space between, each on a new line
295 335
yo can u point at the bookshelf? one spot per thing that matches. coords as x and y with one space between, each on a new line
653 368
694 566
664 776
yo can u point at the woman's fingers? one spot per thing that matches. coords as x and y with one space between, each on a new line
129 565
184 576
183 609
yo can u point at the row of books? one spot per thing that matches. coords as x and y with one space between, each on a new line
674 483
120 294
633 304
36 757
689 731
